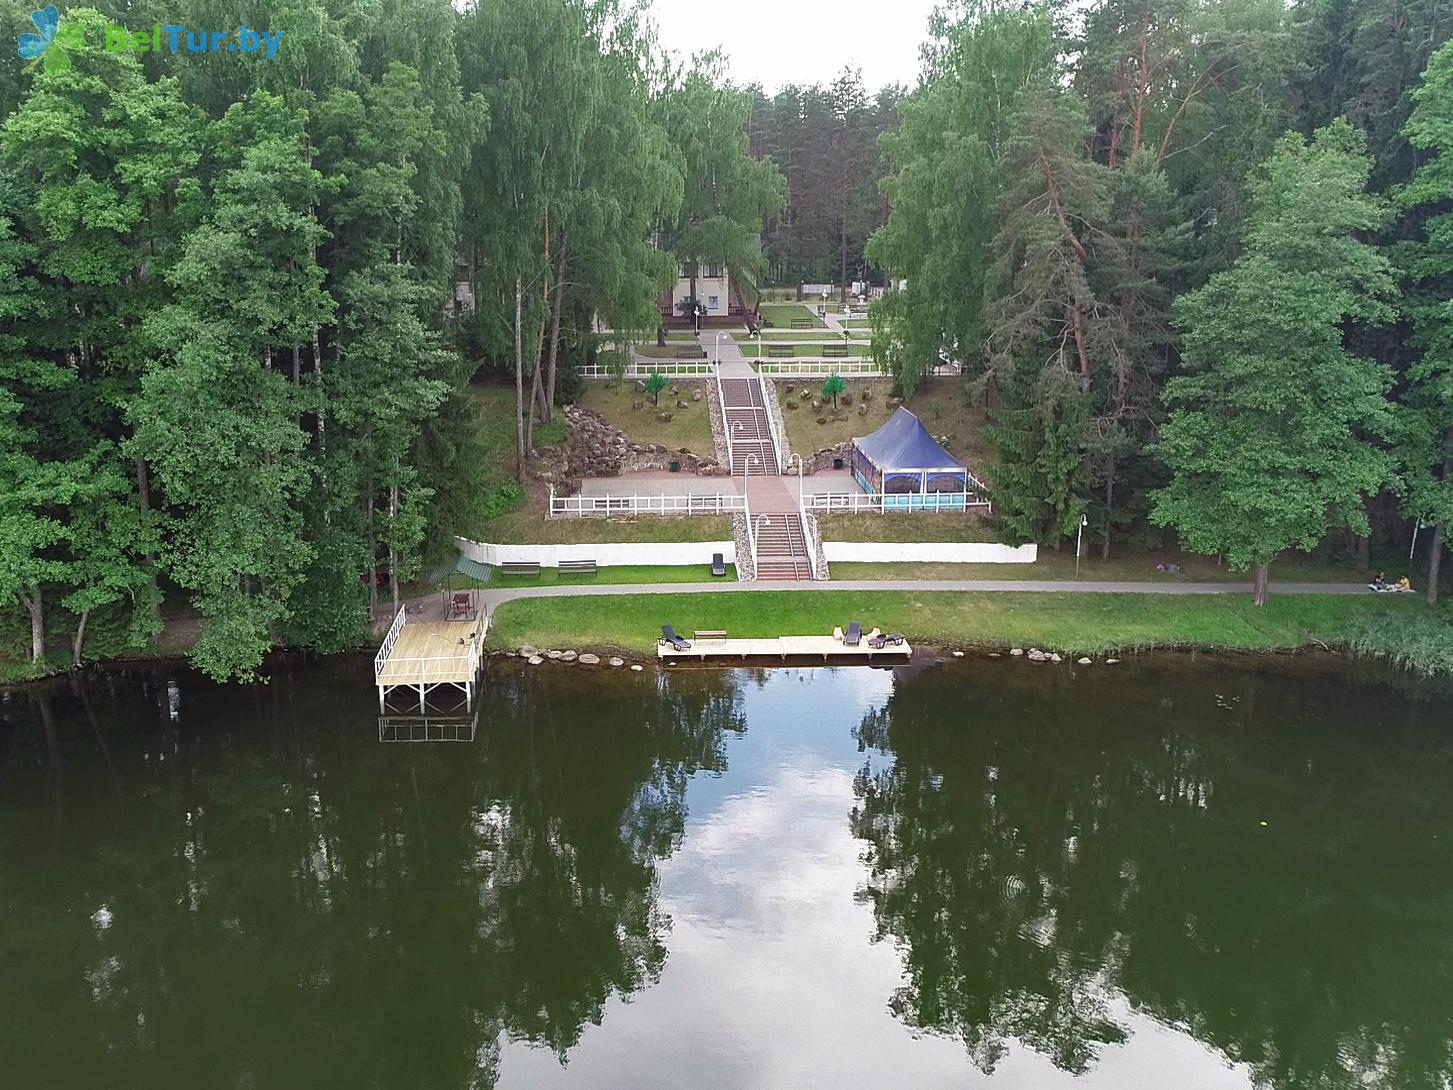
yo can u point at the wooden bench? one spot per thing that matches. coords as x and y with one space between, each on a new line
710 634
834 349
691 352
803 323
520 567
781 351
577 567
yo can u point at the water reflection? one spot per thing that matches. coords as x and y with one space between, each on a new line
256 893
1260 860
990 874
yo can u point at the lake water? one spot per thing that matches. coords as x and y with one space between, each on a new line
1189 873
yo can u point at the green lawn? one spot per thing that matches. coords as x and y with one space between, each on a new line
909 526
676 573
1062 621
689 428
1139 567
529 526
781 315
655 352
808 336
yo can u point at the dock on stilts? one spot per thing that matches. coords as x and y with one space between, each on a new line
787 647
425 655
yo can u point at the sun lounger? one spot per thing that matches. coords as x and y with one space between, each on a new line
854 635
877 643
718 564
669 636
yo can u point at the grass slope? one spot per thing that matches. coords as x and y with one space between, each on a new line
689 427
1064 621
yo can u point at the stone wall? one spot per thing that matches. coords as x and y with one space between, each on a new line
596 448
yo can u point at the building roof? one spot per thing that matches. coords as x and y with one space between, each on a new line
903 443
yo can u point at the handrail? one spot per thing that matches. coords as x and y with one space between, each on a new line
389 641
709 503
896 501
751 534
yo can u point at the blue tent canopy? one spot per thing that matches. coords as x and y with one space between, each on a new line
903 444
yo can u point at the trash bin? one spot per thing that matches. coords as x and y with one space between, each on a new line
837 463
675 467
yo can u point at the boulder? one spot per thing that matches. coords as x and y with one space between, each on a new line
568 656
822 420
816 403
1111 662
638 405
1016 651
636 667
806 395
894 402
847 397
681 403
1055 657
695 395
867 393
553 654
588 659
535 660
862 410
665 418
789 388
1083 661
526 650
958 654
995 655
617 661
790 406
640 386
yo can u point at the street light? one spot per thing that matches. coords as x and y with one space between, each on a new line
718 347
1079 536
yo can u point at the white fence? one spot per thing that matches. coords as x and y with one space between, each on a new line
608 555
641 367
928 552
847 367
856 503
710 503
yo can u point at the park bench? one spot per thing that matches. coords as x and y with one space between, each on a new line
690 352
781 351
833 349
710 634
520 567
577 567
803 323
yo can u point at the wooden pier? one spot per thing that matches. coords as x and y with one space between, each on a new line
424 655
827 648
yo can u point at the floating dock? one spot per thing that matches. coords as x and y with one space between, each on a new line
786 647
425 655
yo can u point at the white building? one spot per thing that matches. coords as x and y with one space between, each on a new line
713 288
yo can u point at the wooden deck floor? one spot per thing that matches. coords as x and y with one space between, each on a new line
432 653
784 647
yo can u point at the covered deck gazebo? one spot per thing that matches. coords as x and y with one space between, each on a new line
908 467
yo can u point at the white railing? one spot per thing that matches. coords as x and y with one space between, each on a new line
643 366
813 542
751 534
858 502
388 642
712 503
773 428
804 367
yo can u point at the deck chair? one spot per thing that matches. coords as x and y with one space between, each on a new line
718 564
669 636
854 635
877 643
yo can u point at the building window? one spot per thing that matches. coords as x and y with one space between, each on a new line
712 302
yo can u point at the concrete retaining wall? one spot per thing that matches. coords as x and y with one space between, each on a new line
605 556
927 552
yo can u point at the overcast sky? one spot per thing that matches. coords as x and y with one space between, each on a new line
774 42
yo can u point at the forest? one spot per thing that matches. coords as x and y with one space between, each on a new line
241 296
1192 257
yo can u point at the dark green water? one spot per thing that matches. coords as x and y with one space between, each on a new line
1189 874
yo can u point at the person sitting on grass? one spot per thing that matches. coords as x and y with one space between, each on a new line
1404 584
1379 583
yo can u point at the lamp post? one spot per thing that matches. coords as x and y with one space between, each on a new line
718 347
1079 537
